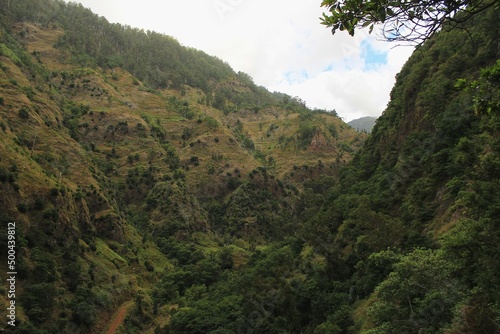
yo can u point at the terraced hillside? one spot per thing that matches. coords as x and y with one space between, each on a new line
98 169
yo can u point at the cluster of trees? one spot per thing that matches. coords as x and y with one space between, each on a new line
158 60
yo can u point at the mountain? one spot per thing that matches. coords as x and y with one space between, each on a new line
127 158
146 186
363 124
414 214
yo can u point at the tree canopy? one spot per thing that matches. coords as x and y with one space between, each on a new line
401 20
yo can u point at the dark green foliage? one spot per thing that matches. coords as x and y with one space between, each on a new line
220 317
83 307
38 300
84 313
307 131
333 131
244 139
418 295
281 288
54 192
179 174
181 107
73 275
172 159
187 133
71 120
212 123
23 113
485 91
7 175
22 207
158 131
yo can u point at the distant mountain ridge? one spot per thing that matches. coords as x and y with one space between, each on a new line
363 124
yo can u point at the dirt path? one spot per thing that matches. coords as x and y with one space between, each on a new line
119 317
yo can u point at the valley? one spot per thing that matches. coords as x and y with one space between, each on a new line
155 190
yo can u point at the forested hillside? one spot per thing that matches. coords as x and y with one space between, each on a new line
147 177
138 170
415 215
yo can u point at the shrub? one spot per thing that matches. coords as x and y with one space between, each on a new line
179 174
4 175
211 122
38 301
23 113
22 207
84 313
54 192
39 204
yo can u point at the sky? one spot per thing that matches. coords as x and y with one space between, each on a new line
281 44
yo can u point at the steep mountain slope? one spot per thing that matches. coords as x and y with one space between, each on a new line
117 181
415 214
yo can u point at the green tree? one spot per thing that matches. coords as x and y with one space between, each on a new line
407 21
37 300
485 90
417 296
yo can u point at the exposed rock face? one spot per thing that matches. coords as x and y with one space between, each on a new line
319 142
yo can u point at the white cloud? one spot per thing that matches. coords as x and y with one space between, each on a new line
347 88
280 43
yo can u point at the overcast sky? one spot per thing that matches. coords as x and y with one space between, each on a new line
280 43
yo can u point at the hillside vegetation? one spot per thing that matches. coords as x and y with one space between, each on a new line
150 177
124 173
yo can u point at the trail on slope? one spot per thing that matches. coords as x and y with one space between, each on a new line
120 316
